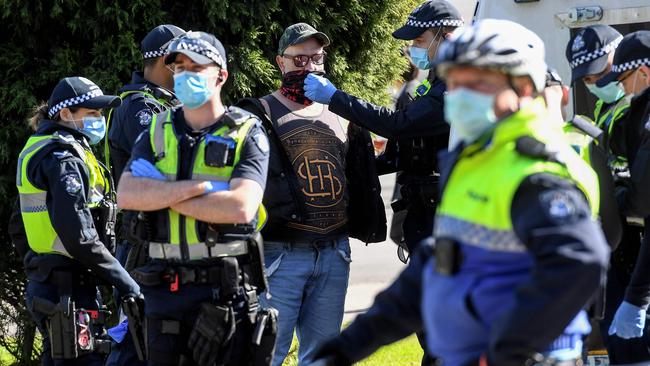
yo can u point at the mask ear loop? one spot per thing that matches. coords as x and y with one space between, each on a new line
431 44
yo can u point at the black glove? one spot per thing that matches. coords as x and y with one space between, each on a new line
212 332
331 353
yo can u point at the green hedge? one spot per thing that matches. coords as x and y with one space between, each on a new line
45 40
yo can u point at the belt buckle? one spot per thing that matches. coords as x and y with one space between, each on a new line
448 257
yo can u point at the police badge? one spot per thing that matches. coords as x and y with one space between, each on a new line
144 117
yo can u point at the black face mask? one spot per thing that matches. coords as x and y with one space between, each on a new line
293 86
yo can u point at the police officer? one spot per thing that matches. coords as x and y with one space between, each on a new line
518 253
148 93
68 209
628 338
419 127
199 173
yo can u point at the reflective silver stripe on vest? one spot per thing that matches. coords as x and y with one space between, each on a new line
33 202
210 177
58 246
36 146
198 251
159 134
478 235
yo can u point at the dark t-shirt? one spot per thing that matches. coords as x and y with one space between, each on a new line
253 162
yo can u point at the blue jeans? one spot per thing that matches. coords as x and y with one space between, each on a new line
85 297
307 284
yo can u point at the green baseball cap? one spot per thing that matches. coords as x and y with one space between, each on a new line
298 33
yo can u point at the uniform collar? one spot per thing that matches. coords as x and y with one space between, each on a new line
48 127
139 83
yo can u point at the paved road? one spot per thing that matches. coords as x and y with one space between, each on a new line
374 266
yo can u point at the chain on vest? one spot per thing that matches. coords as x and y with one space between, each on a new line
165 144
476 203
41 236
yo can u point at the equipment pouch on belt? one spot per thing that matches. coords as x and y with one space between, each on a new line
256 263
211 335
137 233
105 217
266 330
73 332
134 310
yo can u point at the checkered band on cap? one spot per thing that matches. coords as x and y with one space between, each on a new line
74 101
199 46
596 54
153 54
434 23
631 65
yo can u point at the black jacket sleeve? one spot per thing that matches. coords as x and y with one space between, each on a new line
424 117
66 177
395 313
638 290
553 219
634 198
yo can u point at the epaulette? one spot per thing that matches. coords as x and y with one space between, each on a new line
531 147
235 117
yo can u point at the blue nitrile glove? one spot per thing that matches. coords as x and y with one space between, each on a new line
629 321
212 186
319 89
144 169
118 332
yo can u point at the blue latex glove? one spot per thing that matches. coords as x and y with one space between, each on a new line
319 89
118 332
212 186
629 321
144 169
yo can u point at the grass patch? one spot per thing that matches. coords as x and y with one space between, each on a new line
403 353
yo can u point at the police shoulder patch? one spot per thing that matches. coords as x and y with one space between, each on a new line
261 141
144 117
72 183
559 204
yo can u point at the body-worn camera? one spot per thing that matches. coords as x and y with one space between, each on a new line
219 151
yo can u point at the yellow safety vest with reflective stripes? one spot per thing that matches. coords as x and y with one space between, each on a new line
477 199
164 142
41 236
607 120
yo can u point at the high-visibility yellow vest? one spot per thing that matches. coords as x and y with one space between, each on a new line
164 142
41 236
477 200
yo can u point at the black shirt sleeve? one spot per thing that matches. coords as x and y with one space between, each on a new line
424 117
395 313
634 199
66 177
254 159
141 150
553 219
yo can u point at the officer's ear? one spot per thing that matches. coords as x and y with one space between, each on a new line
65 114
222 77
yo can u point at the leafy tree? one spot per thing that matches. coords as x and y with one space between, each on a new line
45 40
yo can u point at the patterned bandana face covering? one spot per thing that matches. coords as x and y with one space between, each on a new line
293 86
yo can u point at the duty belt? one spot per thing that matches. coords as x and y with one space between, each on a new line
179 276
199 250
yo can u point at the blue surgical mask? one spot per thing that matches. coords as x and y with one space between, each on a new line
192 89
469 113
420 56
94 128
608 93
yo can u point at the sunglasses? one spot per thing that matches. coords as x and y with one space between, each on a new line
302 60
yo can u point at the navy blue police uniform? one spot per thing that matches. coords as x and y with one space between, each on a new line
83 259
141 100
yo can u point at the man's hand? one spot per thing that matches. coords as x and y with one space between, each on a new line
319 89
144 169
330 353
629 321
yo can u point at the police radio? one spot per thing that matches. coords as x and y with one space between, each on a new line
219 151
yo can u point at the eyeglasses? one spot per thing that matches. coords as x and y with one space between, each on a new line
302 60
625 77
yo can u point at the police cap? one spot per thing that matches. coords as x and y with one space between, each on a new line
78 91
430 14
